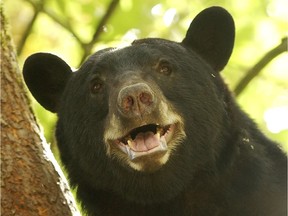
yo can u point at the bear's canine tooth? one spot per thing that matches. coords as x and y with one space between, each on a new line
130 152
159 129
163 143
126 138
129 142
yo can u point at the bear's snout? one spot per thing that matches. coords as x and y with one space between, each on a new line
136 100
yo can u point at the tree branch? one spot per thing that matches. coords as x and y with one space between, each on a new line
86 47
99 29
254 71
37 10
65 25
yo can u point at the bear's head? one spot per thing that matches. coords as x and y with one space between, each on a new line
140 114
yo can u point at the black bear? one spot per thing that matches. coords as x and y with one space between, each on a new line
151 129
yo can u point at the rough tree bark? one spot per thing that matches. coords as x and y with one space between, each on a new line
31 181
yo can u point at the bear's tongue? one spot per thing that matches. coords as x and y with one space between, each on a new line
144 141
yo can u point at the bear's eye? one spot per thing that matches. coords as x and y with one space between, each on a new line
164 67
96 86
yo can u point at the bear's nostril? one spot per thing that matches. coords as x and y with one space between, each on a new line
128 102
146 98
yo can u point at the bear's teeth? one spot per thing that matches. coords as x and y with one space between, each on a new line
129 142
126 139
159 130
129 152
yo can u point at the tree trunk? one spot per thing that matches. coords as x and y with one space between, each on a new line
31 180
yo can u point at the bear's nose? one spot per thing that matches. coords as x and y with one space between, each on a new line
136 100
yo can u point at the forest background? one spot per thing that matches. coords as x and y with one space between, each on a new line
75 29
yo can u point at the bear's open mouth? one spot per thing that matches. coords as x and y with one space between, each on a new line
145 140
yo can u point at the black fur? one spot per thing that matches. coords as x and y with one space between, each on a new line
225 166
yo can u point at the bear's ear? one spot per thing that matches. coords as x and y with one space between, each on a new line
211 34
46 76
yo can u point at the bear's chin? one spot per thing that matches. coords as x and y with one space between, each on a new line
151 162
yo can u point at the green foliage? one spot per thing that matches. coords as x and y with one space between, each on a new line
67 27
